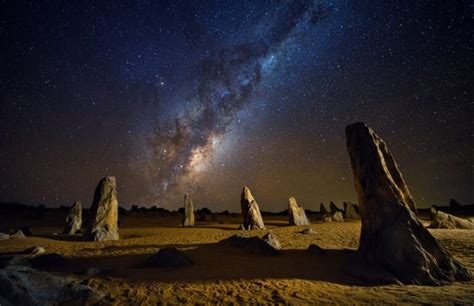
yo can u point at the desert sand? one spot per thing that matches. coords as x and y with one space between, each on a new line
227 275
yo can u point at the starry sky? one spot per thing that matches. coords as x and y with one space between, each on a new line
205 97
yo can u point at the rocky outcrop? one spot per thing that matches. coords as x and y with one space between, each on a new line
104 212
188 218
251 245
440 219
73 219
392 237
25 286
250 211
297 215
4 236
168 258
351 211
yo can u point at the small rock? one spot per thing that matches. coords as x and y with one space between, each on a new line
308 231
315 249
168 258
337 217
34 250
4 236
272 240
241 227
26 231
18 234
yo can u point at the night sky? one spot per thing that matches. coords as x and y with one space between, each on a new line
208 96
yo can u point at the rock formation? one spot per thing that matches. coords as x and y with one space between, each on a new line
351 211
440 219
272 240
25 286
296 213
333 208
73 219
337 217
18 234
391 235
188 218
250 211
168 258
4 236
251 245
103 224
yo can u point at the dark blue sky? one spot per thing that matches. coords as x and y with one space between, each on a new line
206 96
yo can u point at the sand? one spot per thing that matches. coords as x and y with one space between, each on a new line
225 275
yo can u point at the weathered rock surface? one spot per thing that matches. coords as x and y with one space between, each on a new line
351 211
251 245
337 217
188 219
4 236
250 211
272 240
440 219
73 219
18 234
25 286
316 249
104 212
169 258
297 215
391 235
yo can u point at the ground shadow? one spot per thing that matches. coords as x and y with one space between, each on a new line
217 263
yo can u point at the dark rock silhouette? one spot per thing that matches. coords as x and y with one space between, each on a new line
322 209
104 212
188 219
49 261
351 211
333 208
73 219
391 235
454 205
26 231
168 258
251 245
296 213
440 219
250 211
21 285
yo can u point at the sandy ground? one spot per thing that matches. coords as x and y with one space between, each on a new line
225 275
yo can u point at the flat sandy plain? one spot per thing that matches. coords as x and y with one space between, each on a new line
227 275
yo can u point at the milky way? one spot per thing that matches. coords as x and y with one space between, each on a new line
210 96
181 148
